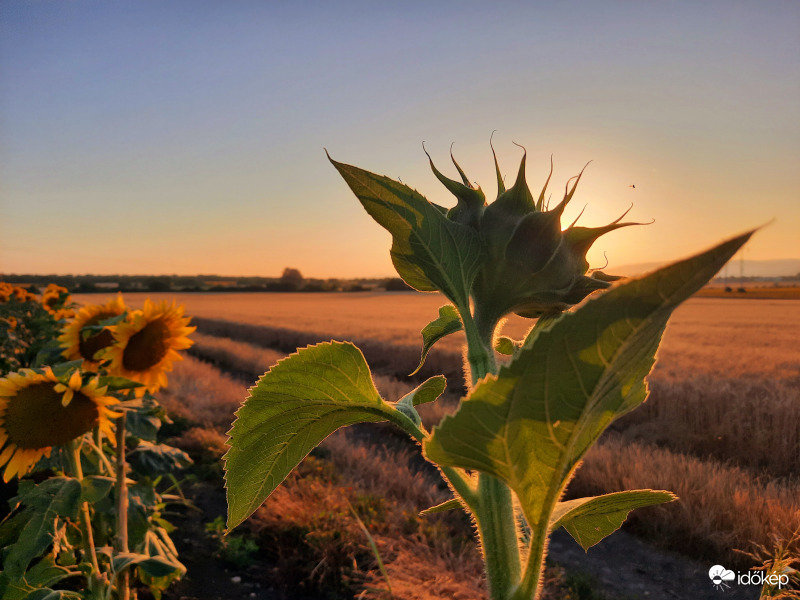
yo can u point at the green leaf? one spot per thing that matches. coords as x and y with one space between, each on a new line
116 384
429 251
427 391
14 590
448 322
589 520
293 407
531 424
443 507
155 459
96 487
154 566
46 572
42 504
505 345
36 580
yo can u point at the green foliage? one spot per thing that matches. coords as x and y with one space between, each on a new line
25 330
447 323
234 549
589 520
507 346
63 525
520 433
292 408
429 251
38 516
532 423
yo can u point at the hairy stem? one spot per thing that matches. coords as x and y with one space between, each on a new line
123 583
494 510
74 458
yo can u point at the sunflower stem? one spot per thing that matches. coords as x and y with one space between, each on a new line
74 457
494 508
123 582
97 445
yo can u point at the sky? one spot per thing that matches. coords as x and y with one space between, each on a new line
187 137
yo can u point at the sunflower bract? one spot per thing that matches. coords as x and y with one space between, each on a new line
533 267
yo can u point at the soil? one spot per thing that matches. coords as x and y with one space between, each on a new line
207 576
623 566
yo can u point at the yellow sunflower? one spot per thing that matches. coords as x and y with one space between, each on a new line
38 412
146 345
54 298
76 346
6 291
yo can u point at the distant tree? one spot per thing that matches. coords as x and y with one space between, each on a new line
86 287
292 278
158 284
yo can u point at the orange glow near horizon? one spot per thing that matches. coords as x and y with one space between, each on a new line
132 145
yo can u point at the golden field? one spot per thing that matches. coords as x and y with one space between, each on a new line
716 325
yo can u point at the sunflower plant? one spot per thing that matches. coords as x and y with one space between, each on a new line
523 427
86 429
29 322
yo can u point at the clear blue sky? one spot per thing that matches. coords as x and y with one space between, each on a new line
187 137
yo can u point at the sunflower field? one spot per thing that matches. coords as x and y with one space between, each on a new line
84 477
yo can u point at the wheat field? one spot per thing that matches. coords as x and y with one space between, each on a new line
716 336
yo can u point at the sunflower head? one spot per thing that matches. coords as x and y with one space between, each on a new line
20 294
55 299
39 411
533 267
146 344
87 344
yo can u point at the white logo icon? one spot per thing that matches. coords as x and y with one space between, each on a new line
719 575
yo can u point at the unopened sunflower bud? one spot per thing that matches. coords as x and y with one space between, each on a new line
533 267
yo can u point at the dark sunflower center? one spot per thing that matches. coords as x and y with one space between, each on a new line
91 345
146 348
35 418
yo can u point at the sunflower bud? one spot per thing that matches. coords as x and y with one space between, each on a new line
533 267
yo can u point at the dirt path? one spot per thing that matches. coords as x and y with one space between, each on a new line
626 567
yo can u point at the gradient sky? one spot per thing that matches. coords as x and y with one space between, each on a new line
187 137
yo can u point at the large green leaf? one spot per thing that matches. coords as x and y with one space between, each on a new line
532 423
40 506
589 520
429 251
448 322
291 409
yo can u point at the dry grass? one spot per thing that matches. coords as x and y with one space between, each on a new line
237 357
397 361
721 508
754 423
202 395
